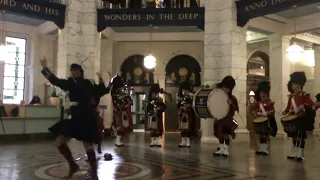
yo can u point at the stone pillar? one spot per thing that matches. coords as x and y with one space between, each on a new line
106 67
280 69
79 42
225 51
316 84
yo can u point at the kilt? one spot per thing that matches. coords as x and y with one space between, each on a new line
224 127
118 123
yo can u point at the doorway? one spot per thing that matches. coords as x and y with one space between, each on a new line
138 111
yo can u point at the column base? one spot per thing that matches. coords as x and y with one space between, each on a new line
281 135
209 140
316 132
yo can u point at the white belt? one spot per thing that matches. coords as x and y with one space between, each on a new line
73 103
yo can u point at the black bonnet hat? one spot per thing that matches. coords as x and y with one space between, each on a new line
187 85
289 86
155 88
227 82
117 82
75 66
298 78
263 86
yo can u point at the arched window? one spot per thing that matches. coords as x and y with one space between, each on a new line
14 70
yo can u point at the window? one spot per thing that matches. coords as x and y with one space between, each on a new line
14 70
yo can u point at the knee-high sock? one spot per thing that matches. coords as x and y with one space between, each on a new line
92 159
65 151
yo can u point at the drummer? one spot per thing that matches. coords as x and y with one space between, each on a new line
263 107
223 128
296 106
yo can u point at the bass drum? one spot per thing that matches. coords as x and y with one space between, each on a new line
211 103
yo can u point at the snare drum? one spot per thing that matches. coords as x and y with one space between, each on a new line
211 103
261 125
290 123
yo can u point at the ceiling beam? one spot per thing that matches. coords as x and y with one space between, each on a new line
309 38
145 37
46 27
303 24
17 28
267 24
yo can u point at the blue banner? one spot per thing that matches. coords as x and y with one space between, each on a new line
248 9
150 16
49 10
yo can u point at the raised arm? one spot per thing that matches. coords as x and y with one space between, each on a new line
101 88
61 83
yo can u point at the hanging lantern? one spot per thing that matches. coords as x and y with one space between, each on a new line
295 53
149 62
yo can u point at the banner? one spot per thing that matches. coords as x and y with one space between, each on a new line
49 10
150 16
248 9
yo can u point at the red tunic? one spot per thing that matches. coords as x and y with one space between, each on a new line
268 106
300 99
226 124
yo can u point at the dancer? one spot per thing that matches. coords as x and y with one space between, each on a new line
82 125
264 107
155 108
122 102
224 128
299 103
186 114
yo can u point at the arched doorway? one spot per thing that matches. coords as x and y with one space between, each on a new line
178 69
257 71
136 75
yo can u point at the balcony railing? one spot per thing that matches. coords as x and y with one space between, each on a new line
124 4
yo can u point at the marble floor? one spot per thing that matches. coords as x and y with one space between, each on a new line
137 161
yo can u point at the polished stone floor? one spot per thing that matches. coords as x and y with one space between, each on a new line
137 161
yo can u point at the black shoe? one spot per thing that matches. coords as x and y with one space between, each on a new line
99 151
300 159
72 169
157 145
181 146
151 145
291 157
121 145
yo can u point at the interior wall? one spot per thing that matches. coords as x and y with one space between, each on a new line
42 45
163 51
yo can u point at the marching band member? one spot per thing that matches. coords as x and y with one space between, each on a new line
297 102
186 114
82 125
264 107
155 108
224 128
122 102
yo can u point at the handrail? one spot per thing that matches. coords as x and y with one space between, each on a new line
136 4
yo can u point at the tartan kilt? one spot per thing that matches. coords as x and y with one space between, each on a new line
224 127
118 125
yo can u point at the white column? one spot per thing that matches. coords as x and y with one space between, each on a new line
1 78
316 84
79 42
225 54
106 67
280 69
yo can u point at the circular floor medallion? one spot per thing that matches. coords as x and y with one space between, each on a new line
121 171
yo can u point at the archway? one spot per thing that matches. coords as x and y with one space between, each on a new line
257 71
135 74
178 69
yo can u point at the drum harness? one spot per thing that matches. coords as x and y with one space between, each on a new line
295 109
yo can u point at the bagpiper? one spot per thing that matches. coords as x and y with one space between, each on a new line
155 109
122 102
187 116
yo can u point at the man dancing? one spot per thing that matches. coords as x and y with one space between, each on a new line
82 125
